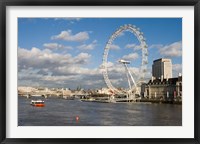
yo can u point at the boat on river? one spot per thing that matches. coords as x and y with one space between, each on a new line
37 103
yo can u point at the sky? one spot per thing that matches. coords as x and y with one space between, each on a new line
68 52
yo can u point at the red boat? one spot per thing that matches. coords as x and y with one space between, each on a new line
37 103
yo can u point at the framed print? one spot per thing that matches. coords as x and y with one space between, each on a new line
99 72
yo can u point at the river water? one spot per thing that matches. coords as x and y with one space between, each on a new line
61 112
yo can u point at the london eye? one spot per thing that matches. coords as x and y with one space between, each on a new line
133 83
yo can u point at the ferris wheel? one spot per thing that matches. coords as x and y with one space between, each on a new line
133 84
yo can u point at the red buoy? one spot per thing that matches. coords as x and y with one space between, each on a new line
77 118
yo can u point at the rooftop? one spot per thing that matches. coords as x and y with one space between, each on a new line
163 60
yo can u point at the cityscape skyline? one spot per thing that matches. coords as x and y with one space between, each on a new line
67 52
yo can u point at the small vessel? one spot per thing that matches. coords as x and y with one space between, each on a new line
37 103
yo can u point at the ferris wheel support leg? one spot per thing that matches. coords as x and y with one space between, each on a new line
129 83
128 96
130 74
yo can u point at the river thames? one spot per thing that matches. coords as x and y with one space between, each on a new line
61 112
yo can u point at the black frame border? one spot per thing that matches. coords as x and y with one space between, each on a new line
5 3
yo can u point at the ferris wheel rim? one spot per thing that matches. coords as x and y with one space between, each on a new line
136 31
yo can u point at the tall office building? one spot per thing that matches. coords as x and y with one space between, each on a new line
162 68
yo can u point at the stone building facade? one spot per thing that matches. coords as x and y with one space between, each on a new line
166 88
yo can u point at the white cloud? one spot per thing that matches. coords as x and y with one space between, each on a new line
88 47
114 47
82 58
133 46
68 36
158 46
56 46
66 70
109 64
131 56
46 68
172 50
37 58
176 68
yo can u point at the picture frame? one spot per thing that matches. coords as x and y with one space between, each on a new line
3 80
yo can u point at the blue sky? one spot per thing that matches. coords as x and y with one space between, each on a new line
67 52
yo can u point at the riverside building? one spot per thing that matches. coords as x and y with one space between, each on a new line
166 88
162 85
162 68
